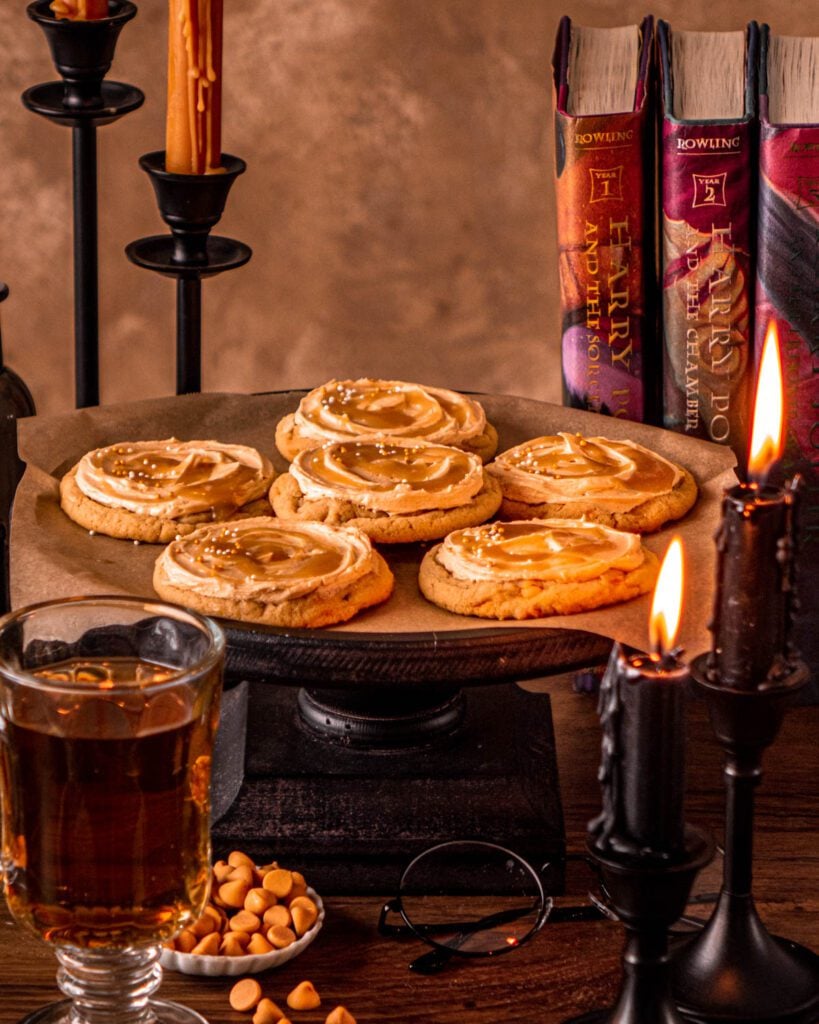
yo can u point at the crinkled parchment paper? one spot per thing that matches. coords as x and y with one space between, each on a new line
53 557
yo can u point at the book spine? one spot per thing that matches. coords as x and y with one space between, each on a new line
707 183
601 184
788 295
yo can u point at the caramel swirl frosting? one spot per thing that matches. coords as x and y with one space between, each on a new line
550 550
615 475
174 478
268 560
349 409
389 476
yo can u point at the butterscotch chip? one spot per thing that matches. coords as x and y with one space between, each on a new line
217 916
281 937
245 995
340 1015
268 1013
204 926
242 873
209 946
244 921
259 900
233 893
185 941
303 919
237 858
304 997
258 944
279 882
221 870
234 944
277 915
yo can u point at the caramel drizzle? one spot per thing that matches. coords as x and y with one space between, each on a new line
394 408
199 478
594 465
544 549
269 558
383 467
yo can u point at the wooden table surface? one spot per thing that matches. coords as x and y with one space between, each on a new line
568 968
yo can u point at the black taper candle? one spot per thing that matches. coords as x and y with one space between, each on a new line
642 770
754 586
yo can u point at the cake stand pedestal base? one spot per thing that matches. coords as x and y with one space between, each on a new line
351 818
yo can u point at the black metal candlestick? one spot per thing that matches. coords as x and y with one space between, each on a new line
190 204
82 52
649 895
735 970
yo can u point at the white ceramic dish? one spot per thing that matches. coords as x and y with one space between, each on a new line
213 966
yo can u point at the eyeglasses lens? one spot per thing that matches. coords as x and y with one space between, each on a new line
504 905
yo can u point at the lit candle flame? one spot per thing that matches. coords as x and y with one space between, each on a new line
766 433
666 605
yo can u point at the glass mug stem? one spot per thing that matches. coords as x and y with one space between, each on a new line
109 990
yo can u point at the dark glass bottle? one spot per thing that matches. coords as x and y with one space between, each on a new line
15 402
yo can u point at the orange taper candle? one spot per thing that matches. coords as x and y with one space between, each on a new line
194 125
80 10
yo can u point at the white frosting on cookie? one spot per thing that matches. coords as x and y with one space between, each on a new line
553 550
268 560
349 409
616 475
389 476
173 478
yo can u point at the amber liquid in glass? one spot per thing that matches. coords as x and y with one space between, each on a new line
105 804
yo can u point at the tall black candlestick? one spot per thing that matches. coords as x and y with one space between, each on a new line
642 770
751 624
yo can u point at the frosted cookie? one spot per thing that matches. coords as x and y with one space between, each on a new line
525 570
155 491
615 483
395 491
351 410
275 572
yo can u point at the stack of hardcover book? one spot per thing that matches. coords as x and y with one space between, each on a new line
684 237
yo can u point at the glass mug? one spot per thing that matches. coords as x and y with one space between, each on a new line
108 711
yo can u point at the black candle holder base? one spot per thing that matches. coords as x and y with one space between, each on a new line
116 100
775 981
734 971
156 252
648 895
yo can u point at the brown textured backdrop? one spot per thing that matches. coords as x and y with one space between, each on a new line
398 198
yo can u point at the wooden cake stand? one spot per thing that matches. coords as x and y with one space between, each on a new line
370 748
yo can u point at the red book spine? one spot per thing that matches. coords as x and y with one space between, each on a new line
602 180
707 190
788 295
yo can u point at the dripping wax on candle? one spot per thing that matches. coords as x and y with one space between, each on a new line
751 621
642 713
194 118
79 10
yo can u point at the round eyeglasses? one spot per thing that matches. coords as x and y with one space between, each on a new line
507 904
